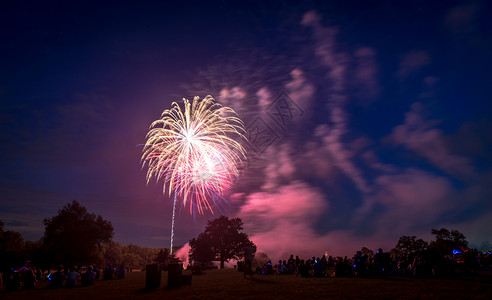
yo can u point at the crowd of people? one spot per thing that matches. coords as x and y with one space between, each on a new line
426 264
381 263
29 276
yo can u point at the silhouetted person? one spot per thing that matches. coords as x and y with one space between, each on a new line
28 277
340 268
324 264
11 280
382 262
360 264
331 262
268 268
318 268
248 260
121 272
108 273
291 259
98 272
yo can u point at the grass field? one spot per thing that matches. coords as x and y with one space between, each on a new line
230 284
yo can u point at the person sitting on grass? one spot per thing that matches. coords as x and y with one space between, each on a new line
281 268
72 277
89 276
267 268
56 279
304 269
108 273
341 268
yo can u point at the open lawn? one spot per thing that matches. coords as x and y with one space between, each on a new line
230 284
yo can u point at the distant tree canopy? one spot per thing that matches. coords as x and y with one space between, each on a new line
75 236
129 256
11 246
163 258
10 241
221 241
14 252
446 241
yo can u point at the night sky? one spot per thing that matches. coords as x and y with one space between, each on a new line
367 120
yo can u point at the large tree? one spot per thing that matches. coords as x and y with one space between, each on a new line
74 236
221 241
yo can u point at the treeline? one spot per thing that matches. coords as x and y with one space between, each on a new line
75 237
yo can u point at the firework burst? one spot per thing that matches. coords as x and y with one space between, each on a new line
195 152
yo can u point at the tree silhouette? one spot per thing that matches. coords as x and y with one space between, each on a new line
367 251
409 246
163 257
74 236
111 253
446 241
221 241
11 247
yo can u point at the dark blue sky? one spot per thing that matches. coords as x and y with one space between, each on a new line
394 136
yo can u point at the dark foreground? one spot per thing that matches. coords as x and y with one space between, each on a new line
230 284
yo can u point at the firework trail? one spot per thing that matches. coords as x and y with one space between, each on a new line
195 153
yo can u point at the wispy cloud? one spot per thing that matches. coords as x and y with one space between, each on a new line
418 135
462 19
413 201
412 62
366 71
300 89
337 62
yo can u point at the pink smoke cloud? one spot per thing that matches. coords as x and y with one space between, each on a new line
280 222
